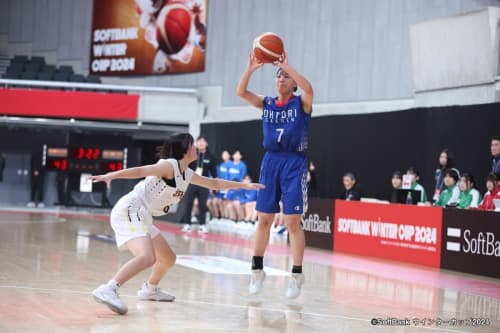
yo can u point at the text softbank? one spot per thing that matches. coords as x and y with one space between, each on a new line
313 223
482 243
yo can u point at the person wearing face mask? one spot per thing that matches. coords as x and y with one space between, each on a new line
415 177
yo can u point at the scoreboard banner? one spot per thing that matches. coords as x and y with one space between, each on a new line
142 37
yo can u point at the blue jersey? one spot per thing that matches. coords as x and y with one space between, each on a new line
285 127
223 170
237 171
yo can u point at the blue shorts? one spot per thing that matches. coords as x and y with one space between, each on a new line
221 194
285 177
233 195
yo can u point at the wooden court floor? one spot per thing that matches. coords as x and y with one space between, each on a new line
50 263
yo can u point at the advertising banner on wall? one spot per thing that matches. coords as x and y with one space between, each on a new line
143 37
471 242
406 233
317 223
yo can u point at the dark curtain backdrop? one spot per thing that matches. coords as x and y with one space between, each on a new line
372 146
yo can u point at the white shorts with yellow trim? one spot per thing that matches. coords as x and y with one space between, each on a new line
130 219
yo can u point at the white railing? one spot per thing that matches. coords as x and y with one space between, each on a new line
97 86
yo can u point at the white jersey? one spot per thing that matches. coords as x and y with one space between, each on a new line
157 196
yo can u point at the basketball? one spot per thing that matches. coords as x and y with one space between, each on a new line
268 47
172 28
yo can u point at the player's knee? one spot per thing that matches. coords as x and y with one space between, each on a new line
171 260
148 259
293 226
265 221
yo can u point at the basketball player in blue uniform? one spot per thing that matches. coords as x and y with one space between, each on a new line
285 122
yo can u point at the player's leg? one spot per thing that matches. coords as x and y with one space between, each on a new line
212 206
294 187
189 196
144 257
267 206
297 237
260 244
252 211
129 221
165 259
202 208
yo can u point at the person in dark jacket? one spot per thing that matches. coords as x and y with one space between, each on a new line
352 190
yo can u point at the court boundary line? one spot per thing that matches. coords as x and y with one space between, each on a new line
55 290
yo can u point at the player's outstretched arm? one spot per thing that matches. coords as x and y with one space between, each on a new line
160 169
302 82
242 88
221 184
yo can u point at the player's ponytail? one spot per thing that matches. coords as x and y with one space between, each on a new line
176 146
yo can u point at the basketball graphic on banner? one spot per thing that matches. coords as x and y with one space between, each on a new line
173 26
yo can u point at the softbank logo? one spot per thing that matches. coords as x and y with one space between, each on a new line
482 244
316 224
456 233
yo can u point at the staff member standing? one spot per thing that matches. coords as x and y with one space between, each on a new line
205 165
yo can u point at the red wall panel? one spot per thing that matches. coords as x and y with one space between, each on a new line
68 104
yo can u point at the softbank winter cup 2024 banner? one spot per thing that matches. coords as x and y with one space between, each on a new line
144 37
400 232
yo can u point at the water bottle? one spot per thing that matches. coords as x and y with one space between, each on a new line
409 199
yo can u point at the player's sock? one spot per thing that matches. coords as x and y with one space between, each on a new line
297 269
257 262
113 284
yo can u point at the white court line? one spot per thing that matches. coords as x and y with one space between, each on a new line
51 290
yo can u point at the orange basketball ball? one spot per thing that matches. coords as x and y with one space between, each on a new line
172 27
268 47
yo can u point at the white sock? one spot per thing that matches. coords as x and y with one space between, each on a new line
151 287
113 284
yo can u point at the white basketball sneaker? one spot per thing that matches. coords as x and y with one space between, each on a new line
256 281
203 229
147 293
109 296
295 283
186 228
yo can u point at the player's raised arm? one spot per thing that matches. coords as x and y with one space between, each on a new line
160 169
221 184
302 83
242 88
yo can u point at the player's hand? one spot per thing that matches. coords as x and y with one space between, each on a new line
253 62
101 178
254 186
283 60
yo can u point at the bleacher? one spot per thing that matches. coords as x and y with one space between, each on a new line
21 67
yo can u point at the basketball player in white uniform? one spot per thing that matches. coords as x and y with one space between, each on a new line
131 218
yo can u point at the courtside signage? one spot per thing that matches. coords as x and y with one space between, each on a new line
399 232
317 223
471 242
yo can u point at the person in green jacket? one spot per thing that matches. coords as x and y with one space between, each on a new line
415 177
450 196
465 197
476 195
